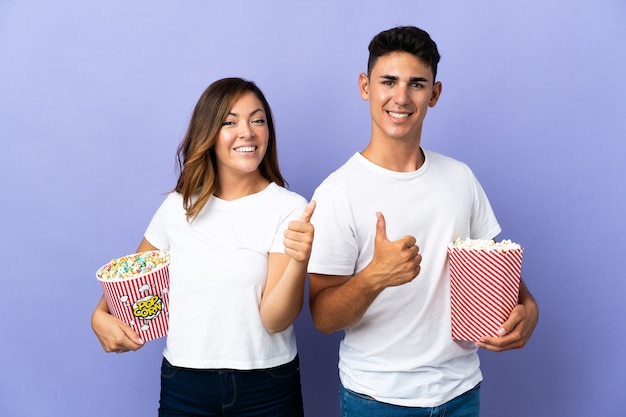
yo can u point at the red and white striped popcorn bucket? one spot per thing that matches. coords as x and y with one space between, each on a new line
484 289
139 296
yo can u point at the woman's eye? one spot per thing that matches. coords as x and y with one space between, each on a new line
259 121
228 123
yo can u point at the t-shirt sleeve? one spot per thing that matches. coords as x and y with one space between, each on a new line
156 232
483 223
335 248
292 209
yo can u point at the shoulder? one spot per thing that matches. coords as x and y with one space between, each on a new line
171 208
439 158
440 162
347 172
173 200
284 197
174 197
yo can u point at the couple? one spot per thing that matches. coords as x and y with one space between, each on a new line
377 266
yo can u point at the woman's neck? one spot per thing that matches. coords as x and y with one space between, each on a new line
232 189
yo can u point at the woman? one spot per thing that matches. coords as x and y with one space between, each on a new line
238 258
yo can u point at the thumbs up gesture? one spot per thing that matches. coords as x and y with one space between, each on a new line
299 235
394 262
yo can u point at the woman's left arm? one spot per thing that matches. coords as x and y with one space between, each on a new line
283 295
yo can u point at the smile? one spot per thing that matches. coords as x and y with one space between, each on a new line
398 115
244 149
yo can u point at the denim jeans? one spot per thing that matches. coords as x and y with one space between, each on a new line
273 392
357 405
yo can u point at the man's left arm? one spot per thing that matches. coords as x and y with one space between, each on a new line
516 331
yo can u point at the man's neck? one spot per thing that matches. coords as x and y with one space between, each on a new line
395 155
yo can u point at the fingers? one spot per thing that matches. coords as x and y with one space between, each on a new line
114 335
123 341
500 344
395 262
302 225
133 337
299 235
308 212
513 334
407 242
381 228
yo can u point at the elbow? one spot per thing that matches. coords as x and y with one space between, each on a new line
320 320
277 324
325 330
273 329
323 327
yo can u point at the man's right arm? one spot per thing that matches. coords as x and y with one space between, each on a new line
338 302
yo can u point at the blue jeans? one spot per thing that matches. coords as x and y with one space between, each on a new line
357 405
273 392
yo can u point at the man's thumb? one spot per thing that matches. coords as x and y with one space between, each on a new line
381 227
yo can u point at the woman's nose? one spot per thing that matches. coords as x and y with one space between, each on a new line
245 131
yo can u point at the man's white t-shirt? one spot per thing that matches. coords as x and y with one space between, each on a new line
401 351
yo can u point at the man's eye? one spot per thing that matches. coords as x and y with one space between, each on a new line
416 85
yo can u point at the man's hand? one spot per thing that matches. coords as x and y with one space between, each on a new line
394 262
516 331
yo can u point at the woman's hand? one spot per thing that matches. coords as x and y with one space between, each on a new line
299 236
114 335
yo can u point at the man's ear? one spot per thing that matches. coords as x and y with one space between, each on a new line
364 86
437 87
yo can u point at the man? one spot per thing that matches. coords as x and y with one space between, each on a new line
379 269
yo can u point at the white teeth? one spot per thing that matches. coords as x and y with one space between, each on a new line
245 149
398 115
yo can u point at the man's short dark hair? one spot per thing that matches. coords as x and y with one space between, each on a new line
404 39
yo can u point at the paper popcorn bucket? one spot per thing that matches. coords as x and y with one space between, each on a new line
136 289
484 288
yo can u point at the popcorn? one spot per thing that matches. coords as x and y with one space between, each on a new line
484 285
136 289
484 244
133 265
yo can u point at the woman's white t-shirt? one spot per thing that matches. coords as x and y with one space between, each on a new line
218 268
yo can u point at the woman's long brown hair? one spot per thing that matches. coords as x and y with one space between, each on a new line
196 153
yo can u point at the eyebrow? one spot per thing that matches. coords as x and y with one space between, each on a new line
230 113
396 78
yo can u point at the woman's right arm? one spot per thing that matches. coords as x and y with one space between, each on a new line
115 335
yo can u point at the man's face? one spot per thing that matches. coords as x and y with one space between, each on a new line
400 89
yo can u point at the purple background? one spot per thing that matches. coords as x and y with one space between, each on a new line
95 96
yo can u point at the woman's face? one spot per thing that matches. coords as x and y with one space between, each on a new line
243 138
